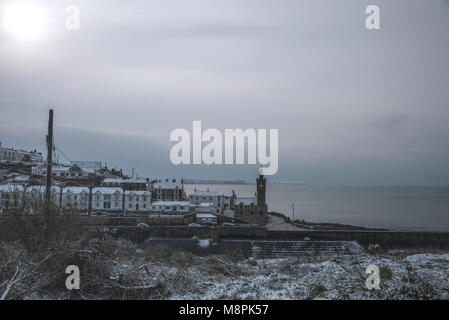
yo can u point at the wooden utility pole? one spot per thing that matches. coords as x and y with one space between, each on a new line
49 158
61 187
89 208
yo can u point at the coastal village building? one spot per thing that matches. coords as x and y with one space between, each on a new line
104 199
127 184
10 195
253 209
168 190
107 199
171 207
95 165
205 207
16 178
221 201
13 155
76 171
137 200
75 197
37 193
65 172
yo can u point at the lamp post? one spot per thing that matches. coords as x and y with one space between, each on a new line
293 212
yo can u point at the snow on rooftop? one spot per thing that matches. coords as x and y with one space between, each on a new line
120 180
107 190
168 185
75 190
88 164
199 193
88 170
10 187
42 189
171 203
206 204
22 178
138 192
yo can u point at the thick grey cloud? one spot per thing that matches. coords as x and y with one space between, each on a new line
352 106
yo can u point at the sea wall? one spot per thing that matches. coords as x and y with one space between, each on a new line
185 232
385 238
152 220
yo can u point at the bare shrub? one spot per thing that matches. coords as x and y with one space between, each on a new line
38 227
374 248
221 265
385 273
159 253
415 287
233 254
288 267
316 290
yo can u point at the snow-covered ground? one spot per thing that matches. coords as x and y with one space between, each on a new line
116 269
417 276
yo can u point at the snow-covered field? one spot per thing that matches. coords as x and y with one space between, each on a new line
416 276
116 269
403 275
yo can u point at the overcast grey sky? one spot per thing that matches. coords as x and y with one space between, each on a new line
352 106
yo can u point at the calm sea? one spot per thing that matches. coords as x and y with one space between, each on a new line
425 208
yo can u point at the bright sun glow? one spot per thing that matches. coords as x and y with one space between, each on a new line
24 20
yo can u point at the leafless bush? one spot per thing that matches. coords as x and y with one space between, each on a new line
288 267
162 253
221 265
385 273
316 290
415 287
24 275
38 227
233 254
374 248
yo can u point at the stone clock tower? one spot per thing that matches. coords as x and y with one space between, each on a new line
253 209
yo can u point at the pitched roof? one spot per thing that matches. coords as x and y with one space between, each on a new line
171 203
168 185
211 194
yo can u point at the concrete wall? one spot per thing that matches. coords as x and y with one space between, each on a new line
254 219
151 220
185 232
385 238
